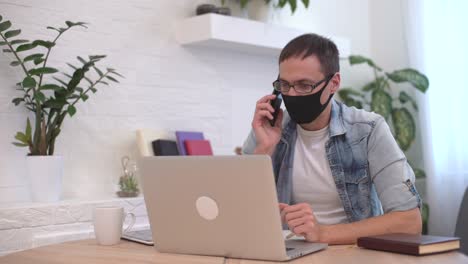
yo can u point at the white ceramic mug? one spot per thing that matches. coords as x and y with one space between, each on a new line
108 224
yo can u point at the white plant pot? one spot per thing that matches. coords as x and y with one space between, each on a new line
256 10
45 176
260 11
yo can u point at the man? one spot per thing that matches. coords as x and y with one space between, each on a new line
336 167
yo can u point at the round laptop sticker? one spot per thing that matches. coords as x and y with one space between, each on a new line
207 208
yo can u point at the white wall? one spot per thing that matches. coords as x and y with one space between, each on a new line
166 86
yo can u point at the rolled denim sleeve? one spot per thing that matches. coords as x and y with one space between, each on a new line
249 144
392 175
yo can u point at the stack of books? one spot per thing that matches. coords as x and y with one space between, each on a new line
188 143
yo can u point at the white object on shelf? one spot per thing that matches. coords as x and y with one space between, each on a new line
240 34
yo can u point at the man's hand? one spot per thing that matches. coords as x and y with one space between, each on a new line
267 136
301 221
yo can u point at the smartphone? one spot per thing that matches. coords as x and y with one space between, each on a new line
276 104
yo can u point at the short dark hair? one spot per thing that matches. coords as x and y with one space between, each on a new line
312 44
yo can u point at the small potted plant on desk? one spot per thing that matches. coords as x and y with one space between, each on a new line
128 181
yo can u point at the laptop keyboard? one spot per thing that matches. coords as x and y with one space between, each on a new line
146 235
142 234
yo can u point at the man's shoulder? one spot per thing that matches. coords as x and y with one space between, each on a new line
352 115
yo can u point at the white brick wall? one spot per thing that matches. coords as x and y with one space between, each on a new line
31 225
166 86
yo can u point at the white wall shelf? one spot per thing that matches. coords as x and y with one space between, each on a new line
243 35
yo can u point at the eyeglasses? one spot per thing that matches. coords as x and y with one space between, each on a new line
300 88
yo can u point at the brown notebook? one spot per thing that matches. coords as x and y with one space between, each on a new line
410 244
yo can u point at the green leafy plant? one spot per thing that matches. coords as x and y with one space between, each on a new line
382 96
278 3
128 181
128 186
50 96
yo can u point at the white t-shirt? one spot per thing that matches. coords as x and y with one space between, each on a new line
313 182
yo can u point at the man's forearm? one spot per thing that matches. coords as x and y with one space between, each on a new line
394 222
266 151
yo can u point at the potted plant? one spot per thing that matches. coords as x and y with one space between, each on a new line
257 10
383 96
128 181
50 95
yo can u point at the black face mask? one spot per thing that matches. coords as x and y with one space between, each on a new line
305 109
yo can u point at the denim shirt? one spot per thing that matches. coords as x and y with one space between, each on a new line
370 171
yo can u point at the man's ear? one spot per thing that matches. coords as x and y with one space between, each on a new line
335 83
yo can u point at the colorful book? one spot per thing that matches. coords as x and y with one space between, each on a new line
181 136
409 243
198 148
163 147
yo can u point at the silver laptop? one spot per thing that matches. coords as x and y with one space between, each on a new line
217 206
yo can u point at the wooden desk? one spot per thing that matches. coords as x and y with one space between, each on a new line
87 251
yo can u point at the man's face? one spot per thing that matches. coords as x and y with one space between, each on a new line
297 70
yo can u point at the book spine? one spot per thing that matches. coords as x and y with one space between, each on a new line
388 246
